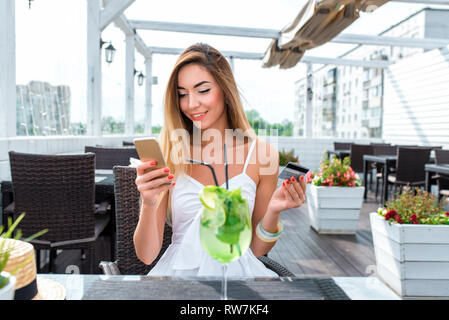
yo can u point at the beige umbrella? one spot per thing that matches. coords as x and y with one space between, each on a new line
317 23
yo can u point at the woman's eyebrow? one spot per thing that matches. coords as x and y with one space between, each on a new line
197 85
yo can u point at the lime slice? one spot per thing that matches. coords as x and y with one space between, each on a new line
209 196
213 218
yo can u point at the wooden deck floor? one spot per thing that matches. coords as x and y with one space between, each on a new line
301 249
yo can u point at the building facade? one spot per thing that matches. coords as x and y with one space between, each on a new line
347 101
42 109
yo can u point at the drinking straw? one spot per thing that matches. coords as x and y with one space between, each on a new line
226 166
207 165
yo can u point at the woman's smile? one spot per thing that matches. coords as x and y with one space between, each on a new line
198 116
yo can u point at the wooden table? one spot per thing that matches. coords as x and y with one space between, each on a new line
387 161
442 169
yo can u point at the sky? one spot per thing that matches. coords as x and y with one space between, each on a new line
51 47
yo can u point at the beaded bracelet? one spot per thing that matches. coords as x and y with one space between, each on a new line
266 236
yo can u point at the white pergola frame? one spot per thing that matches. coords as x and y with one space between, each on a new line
98 18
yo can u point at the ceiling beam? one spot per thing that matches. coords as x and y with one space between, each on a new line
112 10
228 54
346 62
205 29
274 34
428 2
122 23
305 59
391 41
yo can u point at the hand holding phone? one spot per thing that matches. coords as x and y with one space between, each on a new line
149 150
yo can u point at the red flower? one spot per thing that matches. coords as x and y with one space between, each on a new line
447 214
398 219
413 218
390 214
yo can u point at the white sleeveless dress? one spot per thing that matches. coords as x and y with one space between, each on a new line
185 257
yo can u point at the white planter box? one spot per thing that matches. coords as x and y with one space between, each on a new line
334 210
7 292
412 259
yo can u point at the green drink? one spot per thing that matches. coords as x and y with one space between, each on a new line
225 229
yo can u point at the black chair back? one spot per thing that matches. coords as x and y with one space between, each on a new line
356 156
410 164
441 156
108 157
387 150
127 211
57 192
342 145
127 143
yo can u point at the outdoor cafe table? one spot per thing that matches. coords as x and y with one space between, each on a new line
387 161
442 169
135 287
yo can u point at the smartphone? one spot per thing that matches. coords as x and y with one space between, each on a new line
293 170
148 149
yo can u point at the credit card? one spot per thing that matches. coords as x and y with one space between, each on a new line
293 170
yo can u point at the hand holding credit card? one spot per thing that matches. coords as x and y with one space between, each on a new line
293 170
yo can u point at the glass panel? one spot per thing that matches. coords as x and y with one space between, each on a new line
51 68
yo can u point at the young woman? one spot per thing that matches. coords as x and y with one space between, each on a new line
202 97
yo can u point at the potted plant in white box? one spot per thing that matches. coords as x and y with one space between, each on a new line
7 279
334 197
411 244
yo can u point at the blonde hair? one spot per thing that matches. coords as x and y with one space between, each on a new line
217 65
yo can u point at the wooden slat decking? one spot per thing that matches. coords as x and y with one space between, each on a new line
301 249
309 254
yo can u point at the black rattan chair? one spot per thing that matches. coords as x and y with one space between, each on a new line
57 192
342 145
409 168
442 157
108 157
127 143
356 156
382 149
127 215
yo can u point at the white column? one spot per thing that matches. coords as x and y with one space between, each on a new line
129 76
7 69
231 62
148 94
93 68
308 132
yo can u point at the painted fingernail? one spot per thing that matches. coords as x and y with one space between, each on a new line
283 183
170 176
166 170
288 182
302 178
293 179
173 184
152 163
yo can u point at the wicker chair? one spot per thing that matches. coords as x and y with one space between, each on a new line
442 157
382 149
342 145
57 193
127 143
108 157
409 168
127 216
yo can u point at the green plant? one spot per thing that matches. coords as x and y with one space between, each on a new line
414 206
6 252
334 172
286 157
